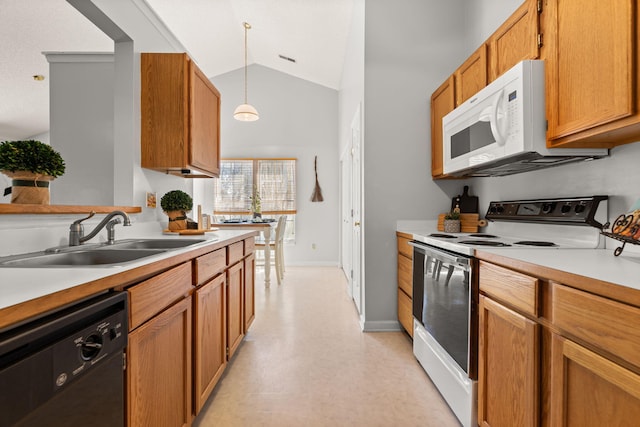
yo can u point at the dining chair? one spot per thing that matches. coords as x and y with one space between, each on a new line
276 247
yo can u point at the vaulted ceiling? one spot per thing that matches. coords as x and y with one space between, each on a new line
313 33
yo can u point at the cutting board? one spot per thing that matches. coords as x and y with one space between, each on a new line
469 223
467 203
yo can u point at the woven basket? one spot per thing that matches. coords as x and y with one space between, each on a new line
29 188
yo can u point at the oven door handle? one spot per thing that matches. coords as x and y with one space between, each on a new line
440 255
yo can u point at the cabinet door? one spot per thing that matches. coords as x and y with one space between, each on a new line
508 367
210 338
515 40
591 70
235 324
159 369
249 291
204 123
471 76
442 102
588 390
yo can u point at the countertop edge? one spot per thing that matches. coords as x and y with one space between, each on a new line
109 278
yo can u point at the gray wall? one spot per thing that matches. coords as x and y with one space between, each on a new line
298 119
411 46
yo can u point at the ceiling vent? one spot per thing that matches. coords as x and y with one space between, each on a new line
286 58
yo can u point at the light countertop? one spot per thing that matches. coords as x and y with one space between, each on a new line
18 285
596 264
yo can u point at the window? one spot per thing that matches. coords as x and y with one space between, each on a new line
275 180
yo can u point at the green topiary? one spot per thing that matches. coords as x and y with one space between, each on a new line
33 156
454 215
176 200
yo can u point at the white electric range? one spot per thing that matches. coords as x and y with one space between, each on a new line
445 285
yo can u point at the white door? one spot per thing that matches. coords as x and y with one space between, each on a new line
356 203
345 224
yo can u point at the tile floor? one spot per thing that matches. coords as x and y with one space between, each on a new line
305 362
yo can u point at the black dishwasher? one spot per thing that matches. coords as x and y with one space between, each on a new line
66 368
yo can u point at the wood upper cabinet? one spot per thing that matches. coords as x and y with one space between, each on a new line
210 338
517 39
592 63
180 117
471 76
159 369
443 101
588 390
508 367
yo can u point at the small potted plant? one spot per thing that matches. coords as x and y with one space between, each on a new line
452 222
176 204
256 207
31 165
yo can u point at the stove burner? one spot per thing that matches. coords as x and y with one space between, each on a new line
486 236
535 243
483 243
442 236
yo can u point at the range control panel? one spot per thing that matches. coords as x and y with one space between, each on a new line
572 210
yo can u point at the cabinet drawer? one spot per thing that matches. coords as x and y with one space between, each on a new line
405 275
517 290
236 252
404 248
405 313
148 298
207 266
607 324
249 245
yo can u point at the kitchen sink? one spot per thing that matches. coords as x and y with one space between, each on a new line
155 243
79 258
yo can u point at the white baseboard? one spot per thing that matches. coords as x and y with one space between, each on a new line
381 326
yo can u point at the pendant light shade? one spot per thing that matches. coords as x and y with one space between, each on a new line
245 112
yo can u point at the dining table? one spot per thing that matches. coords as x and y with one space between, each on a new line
265 227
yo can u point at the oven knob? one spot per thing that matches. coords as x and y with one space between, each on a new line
500 209
565 208
90 347
548 207
580 208
492 209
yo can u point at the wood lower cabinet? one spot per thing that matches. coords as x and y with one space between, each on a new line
235 312
210 338
443 101
159 369
185 324
555 355
593 98
508 386
249 291
405 282
588 390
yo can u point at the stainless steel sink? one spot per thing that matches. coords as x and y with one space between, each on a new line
80 258
155 243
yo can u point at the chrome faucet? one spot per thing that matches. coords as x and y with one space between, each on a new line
76 230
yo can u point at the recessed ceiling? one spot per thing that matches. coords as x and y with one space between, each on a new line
312 32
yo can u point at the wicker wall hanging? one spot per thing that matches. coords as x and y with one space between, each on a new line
317 192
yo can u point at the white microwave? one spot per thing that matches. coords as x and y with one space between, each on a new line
501 130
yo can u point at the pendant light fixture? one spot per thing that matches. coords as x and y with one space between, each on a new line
245 112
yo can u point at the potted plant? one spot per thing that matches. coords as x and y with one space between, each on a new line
176 204
256 207
31 165
452 222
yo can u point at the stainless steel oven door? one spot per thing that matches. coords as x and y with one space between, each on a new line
445 301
